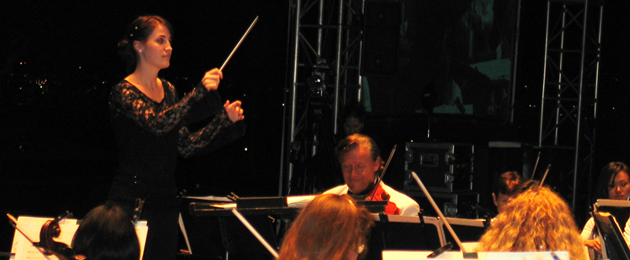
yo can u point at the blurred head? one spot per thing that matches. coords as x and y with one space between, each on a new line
329 227
353 118
360 161
537 219
107 233
147 36
352 125
505 185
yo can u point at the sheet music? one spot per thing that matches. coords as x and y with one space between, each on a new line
299 201
22 249
415 255
613 203
31 227
209 198
292 201
141 231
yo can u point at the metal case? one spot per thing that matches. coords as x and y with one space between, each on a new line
442 167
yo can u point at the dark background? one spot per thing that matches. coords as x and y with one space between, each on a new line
57 150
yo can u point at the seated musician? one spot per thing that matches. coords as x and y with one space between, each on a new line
537 219
504 187
107 232
331 227
361 164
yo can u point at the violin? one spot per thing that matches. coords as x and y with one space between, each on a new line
47 245
379 194
51 230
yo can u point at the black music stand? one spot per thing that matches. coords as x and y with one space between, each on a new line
389 235
616 247
618 208
215 233
466 229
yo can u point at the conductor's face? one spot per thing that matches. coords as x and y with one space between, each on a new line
156 50
359 169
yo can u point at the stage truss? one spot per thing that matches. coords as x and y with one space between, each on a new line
325 58
570 81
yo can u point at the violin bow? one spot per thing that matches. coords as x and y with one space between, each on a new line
544 176
14 223
536 165
380 178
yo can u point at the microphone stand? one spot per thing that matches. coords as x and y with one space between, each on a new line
255 233
467 255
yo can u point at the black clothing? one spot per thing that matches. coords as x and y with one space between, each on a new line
150 136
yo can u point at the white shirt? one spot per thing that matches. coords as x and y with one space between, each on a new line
406 205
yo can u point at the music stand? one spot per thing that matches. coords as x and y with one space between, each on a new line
392 232
469 230
616 247
215 233
618 208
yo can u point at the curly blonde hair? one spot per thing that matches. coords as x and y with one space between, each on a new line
330 227
535 220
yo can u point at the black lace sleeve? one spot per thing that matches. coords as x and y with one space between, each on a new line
215 134
127 100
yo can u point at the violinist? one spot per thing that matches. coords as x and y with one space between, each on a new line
360 162
106 232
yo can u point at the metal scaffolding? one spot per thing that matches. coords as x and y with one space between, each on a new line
570 81
325 58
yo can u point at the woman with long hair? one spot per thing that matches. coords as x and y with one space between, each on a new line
330 227
537 219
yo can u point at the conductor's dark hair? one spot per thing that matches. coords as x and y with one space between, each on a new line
609 172
139 30
107 233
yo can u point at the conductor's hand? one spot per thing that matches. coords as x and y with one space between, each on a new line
234 110
212 79
595 244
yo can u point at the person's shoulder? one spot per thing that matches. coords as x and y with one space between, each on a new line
123 88
399 195
407 205
167 83
123 84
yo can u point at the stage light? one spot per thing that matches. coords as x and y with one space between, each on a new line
316 83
